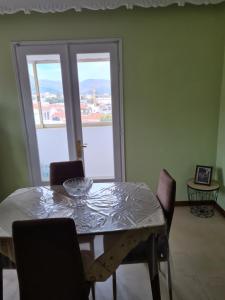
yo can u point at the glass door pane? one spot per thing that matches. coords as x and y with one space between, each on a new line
49 109
94 76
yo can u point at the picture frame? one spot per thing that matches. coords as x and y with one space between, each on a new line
203 175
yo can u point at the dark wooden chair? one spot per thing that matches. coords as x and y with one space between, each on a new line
61 171
166 192
48 260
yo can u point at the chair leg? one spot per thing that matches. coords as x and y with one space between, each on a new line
154 284
161 270
114 286
93 290
159 266
92 246
169 280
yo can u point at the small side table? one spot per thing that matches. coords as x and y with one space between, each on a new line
199 192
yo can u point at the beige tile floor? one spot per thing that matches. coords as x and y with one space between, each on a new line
197 258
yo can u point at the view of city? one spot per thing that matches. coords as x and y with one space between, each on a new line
48 98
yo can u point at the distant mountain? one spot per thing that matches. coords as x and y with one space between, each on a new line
101 86
51 86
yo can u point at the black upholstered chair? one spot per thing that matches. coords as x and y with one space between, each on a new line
166 193
61 171
48 260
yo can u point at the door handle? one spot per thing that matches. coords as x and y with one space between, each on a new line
79 147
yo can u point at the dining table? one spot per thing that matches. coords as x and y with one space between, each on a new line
128 211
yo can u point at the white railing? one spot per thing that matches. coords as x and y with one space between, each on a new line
53 146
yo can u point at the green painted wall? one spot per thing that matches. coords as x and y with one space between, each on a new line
172 68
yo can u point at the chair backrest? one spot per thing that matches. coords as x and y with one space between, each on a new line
48 260
61 171
166 193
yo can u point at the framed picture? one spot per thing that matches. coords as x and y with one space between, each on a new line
203 175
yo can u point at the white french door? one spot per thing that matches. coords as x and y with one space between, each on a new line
71 104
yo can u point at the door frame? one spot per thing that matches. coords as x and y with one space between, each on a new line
25 127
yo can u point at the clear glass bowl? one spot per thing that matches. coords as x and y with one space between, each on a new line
77 186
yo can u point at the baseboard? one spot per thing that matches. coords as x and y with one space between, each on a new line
220 209
203 202
197 202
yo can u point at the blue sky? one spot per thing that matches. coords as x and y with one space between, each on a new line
94 70
86 70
